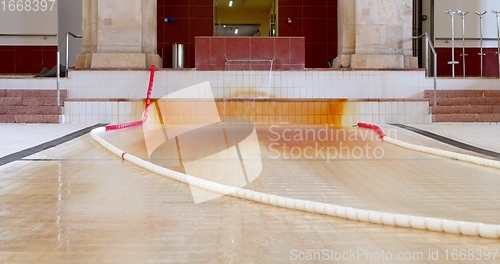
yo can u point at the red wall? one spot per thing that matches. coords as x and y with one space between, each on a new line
472 62
316 20
27 59
192 18
287 52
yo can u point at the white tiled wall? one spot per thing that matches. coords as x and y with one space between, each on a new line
468 83
103 112
284 84
371 112
386 112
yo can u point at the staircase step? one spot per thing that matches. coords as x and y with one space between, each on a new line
31 105
30 110
462 93
11 101
33 93
468 101
52 119
41 101
465 109
466 118
30 101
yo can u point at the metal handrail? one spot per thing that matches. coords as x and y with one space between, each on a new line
445 39
66 39
428 44
28 35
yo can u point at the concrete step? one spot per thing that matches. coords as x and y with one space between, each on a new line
31 105
436 118
30 110
53 119
32 93
462 93
30 101
468 101
466 109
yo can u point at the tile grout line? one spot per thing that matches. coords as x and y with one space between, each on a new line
49 144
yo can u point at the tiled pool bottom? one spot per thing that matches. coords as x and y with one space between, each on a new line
350 167
262 111
79 203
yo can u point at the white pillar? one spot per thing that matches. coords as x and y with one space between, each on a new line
118 34
380 32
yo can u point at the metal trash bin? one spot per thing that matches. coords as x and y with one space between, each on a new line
178 56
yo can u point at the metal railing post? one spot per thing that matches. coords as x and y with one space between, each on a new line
427 66
435 78
463 55
497 13
67 55
452 62
428 44
481 53
65 39
58 77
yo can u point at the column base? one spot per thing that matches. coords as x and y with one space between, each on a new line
342 61
411 62
83 61
377 61
154 59
118 60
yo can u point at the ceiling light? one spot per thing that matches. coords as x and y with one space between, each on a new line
231 3
236 31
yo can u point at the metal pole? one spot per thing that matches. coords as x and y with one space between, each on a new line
435 78
481 53
58 77
497 13
427 73
462 14
67 55
452 62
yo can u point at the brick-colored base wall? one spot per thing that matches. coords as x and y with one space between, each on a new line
287 53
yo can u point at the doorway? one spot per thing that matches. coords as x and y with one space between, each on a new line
245 18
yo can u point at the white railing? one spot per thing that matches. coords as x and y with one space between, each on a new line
64 41
428 44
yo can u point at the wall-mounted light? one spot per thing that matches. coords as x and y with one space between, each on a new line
231 3
289 21
236 31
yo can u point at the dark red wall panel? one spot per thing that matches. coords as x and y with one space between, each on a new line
287 52
27 59
316 20
472 62
192 18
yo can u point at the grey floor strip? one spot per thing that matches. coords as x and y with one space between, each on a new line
450 141
50 144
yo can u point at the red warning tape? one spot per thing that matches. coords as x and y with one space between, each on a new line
376 128
146 108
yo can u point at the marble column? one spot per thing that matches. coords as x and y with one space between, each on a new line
118 34
375 34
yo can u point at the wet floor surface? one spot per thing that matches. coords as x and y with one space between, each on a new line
78 203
